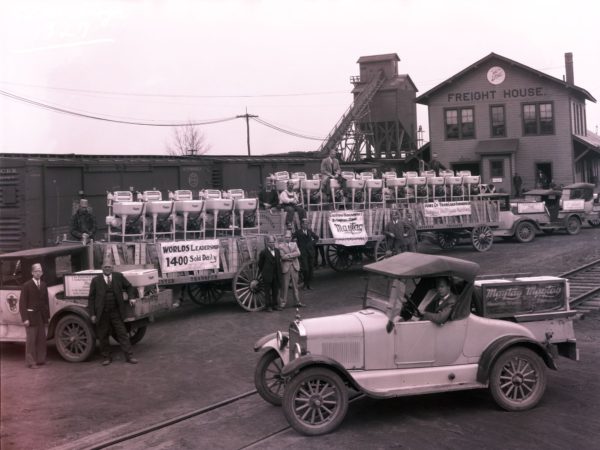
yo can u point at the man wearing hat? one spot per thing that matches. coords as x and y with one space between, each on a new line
307 243
269 264
83 222
107 309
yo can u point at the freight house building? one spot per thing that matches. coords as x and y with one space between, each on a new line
498 117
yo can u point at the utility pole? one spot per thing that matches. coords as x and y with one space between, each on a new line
247 116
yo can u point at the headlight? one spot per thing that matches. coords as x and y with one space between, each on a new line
282 340
297 351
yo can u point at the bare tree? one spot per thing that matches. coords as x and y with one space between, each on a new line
187 140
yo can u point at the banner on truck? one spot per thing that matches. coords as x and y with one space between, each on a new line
447 209
348 228
183 256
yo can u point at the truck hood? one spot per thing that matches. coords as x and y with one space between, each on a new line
339 337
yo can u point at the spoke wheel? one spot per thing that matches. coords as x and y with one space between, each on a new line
482 238
204 294
518 379
447 240
573 225
248 287
525 232
267 378
381 250
339 257
75 339
315 401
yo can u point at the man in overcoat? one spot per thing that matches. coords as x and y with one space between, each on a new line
269 264
307 241
107 309
35 313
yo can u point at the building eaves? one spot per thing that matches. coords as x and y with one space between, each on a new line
423 99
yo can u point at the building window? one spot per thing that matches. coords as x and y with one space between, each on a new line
459 123
538 118
498 121
497 168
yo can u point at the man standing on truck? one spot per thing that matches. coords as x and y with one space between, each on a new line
107 309
35 313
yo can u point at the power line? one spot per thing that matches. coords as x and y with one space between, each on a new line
140 94
108 119
282 130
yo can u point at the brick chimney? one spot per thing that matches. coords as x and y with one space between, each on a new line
569 68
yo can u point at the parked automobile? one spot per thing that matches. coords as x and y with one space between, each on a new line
541 210
581 198
502 334
68 272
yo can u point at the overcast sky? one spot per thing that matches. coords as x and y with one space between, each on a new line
289 62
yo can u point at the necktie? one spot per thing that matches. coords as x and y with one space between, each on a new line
108 279
37 283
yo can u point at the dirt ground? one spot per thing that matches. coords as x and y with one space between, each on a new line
193 357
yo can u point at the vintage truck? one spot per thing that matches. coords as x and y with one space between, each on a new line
502 334
547 211
68 270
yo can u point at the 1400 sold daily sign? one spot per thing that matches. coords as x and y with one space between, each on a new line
182 256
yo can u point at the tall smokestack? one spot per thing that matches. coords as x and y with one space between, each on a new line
569 68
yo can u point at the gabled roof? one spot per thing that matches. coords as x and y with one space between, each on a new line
424 97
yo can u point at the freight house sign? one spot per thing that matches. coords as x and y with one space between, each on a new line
495 76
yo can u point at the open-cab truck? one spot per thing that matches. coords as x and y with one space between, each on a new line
502 334
68 271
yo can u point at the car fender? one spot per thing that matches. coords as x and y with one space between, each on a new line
306 361
496 348
71 309
514 226
269 343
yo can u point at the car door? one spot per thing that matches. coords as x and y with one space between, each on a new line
423 343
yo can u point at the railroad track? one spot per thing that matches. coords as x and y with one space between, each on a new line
585 285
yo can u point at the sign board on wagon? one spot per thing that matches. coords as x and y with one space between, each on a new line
447 209
181 256
348 227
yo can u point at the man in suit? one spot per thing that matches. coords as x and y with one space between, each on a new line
35 313
107 309
394 233
307 243
290 266
410 234
440 307
330 168
269 264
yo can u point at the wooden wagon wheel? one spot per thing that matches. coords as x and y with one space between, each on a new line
447 240
381 250
248 287
482 238
204 294
338 257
